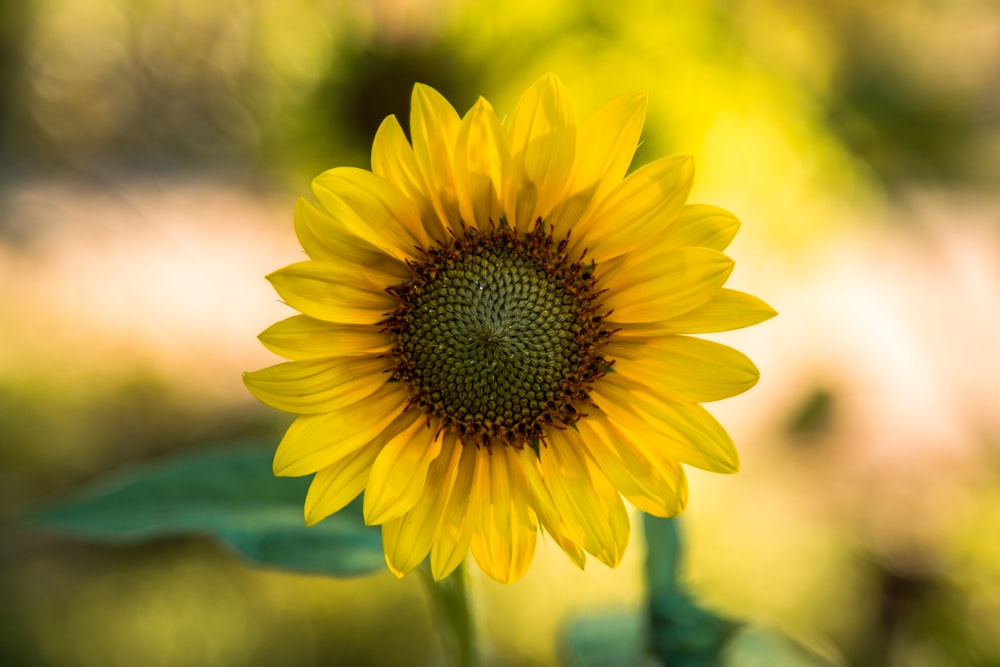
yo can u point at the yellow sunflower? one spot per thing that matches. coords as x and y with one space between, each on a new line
493 336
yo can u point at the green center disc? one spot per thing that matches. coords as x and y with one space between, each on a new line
491 339
497 335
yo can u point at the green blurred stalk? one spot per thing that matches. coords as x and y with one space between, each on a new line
451 597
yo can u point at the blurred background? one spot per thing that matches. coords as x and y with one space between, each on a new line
150 155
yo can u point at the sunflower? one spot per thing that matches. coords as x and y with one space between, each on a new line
494 335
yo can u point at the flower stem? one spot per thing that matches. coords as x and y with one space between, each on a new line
452 599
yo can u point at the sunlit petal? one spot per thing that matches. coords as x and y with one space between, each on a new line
542 145
393 159
302 337
371 208
434 129
683 431
481 158
460 518
605 145
399 475
684 368
589 504
330 292
321 385
342 480
408 538
314 442
668 285
504 543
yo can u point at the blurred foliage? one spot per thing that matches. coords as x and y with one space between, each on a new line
822 95
909 97
922 618
682 633
303 84
803 117
674 629
228 493
183 602
815 415
54 435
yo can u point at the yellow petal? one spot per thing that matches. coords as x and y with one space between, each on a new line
399 475
542 145
636 212
371 208
302 337
649 480
504 544
325 239
407 539
321 385
605 145
393 160
665 286
696 226
547 512
335 486
701 225
684 368
314 442
588 503
331 292
460 518
481 157
683 431
339 483
638 269
434 129
726 310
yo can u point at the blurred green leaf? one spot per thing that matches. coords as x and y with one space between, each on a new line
682 634
609 638
761 647
675 632
228 493
815 414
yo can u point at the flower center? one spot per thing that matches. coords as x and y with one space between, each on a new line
499 335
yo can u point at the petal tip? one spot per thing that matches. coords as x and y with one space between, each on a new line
730 466
426 96
399 573
638 102
280 467
482 104
548 84
549 79
422 89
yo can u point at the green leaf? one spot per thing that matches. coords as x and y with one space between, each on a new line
613 637
682 634
675 630
763 647
228 493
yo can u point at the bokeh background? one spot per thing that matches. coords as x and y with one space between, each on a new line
150 155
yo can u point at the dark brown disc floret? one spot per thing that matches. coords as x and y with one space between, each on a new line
499 334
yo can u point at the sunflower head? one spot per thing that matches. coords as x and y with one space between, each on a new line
494 334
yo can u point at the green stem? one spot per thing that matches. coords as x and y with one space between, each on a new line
452 599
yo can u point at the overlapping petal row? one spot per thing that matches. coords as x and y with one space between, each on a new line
659 260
